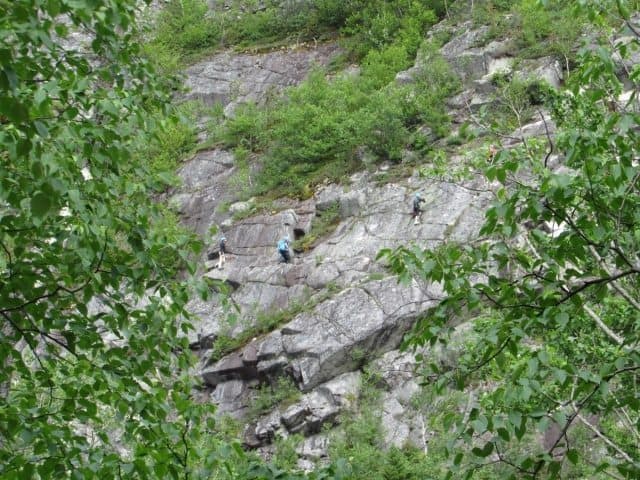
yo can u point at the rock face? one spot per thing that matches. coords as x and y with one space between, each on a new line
478 64
228 78
199 196
352 311
308 415
467 59
336 307
366 310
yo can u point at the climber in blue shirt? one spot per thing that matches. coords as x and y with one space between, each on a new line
283 249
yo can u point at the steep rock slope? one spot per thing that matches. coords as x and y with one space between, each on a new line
349 311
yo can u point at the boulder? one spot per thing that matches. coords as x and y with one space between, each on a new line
314 447
462 53
408 77
266 428
537 128
546 69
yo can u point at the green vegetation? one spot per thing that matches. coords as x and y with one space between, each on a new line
96 371
284 392
552 29
556 279
536 29
322 225
94 380
265 323
169 140
360 437
185 30
348 112
286 455
517 102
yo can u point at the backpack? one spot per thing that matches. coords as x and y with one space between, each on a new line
282 245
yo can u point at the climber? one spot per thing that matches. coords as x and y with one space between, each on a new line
283 249
417 200
222 245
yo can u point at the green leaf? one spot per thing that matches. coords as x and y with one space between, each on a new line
623 10
560 375
40 205
485 451
573 456
480 424
13 109
560 418
554 468
41 128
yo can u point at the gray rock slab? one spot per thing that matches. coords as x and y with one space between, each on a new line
257 297
398 372
467 59
343 388
321 344
315 409
231 398
266 428
409 76
368 315
467 39
537 128
208 321
205 185
232 367
231 77
385 220
253 240
395 426
323 274
294 417
270 347
314 447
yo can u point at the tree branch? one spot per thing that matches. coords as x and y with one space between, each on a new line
548 133
614 284
602 326
604 438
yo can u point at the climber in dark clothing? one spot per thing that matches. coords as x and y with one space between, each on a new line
417 210
222 246
283 249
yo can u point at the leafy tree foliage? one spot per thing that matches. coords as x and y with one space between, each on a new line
555 276
92 321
